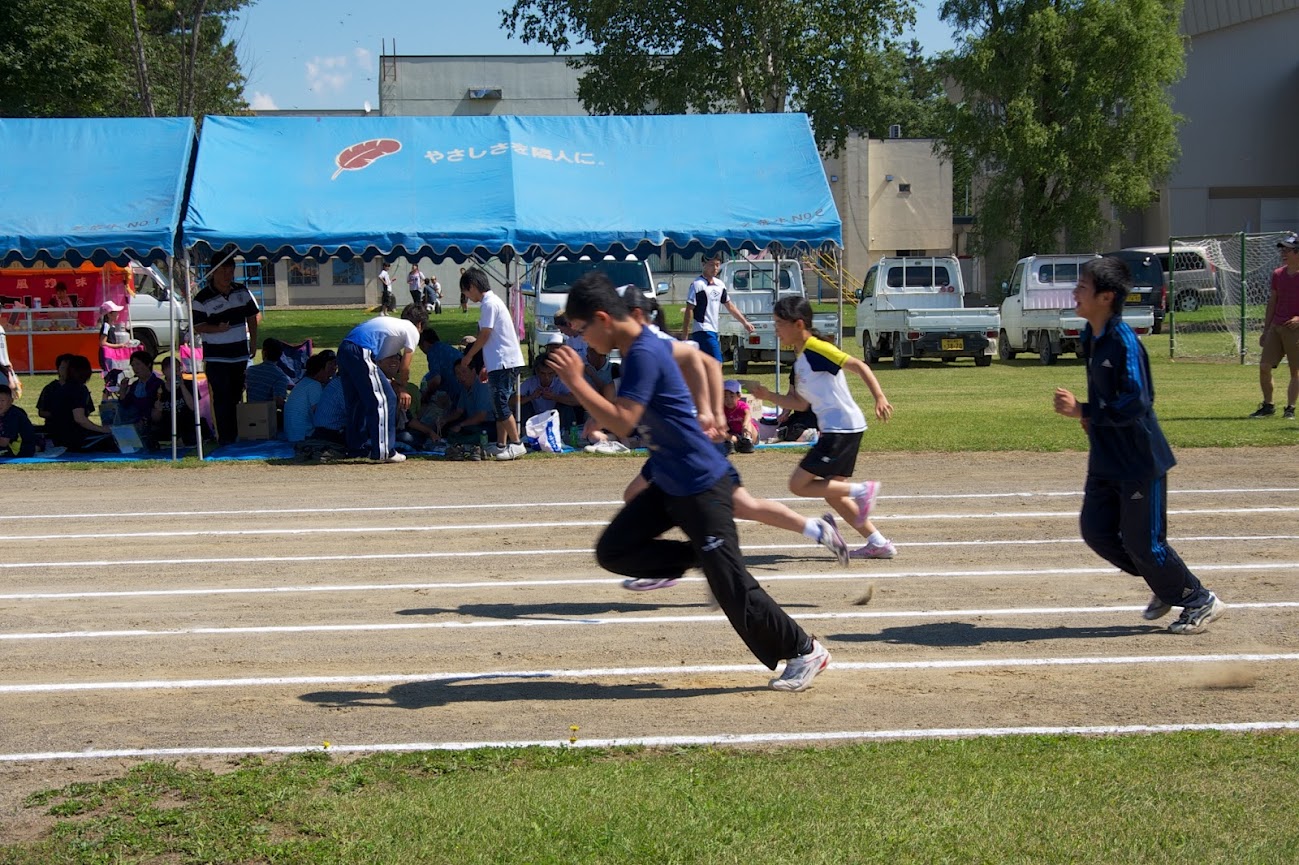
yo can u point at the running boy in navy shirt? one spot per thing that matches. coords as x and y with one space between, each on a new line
692 486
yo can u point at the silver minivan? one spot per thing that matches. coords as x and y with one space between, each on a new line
1195 278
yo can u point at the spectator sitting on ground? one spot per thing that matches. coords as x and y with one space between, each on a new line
543 391
17 435
266 381
70 425
45 401
600 371
441 357
186 408
740 423
135 398
300 407
472 415
572 338
331 414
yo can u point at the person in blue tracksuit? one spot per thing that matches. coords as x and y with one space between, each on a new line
1125 500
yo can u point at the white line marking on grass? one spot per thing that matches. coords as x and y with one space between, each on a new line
595 621
633 672
497 527
713 739
566 504
599 581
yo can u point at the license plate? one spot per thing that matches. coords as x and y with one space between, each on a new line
953 345
1134 297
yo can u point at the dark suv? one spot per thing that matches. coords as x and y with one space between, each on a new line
1148 285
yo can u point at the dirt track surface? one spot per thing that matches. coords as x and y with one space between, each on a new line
370 599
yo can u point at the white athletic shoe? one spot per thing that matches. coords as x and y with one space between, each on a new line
396 457
832 540
800 671
511 451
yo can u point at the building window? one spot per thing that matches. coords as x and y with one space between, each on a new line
904 188
349 272
306 272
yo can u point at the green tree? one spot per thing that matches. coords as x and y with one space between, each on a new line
97 58
1063 104
828 58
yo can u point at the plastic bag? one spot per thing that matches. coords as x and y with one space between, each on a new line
545 429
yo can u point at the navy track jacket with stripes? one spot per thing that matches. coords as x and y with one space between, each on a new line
1126 441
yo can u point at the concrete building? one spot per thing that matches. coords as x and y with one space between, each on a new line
1238 170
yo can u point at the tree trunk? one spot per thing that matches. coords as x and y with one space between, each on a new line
141 65
193 58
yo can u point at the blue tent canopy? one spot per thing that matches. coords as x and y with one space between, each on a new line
455 187
96 189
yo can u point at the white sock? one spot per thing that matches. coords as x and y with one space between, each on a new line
877 539
812 529
856 489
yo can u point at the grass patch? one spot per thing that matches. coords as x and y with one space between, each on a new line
1019 799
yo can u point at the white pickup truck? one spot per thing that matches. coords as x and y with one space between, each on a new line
547 288
750 286
1038 313
915 307
152 310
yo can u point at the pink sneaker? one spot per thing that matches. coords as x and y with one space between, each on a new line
865 501
885 550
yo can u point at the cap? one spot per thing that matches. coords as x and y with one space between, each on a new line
731 385
1289 240
110 306
556 339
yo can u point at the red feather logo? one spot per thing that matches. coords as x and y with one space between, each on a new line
358 156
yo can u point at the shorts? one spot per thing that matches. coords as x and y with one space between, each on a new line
1281 342
833 455
503 383
707 340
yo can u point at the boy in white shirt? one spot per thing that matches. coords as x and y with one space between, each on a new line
498 342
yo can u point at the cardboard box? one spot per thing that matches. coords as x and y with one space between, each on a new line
256 420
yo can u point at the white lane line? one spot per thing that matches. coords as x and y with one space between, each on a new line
354 509
718 739
598 621
864 576
584 551
478 527
636 672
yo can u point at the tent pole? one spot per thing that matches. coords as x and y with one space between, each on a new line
838 337
171 340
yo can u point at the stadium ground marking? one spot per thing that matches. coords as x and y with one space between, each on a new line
635 672
451 554
593 621
352 530
566 504
714 739
837 575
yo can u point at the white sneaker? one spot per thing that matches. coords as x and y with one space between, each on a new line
53 452
396 457
610 447
800 671
1194 620
832 540
511 451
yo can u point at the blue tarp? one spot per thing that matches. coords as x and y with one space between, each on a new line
97 189
455 187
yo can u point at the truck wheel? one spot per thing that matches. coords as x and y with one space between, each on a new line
741 360
1003 347
868 348
1046 354
983 360
899 361
1188 301
147 340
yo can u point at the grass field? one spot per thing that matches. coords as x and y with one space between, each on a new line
1206 798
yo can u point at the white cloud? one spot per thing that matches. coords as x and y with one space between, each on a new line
262 102
364 59
326 74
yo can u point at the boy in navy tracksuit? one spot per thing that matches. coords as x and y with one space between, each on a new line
1125 501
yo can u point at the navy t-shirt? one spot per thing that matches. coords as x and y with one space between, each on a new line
683 462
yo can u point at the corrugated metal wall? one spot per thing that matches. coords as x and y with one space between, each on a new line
1203 16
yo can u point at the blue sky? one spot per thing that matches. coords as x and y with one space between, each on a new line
325 54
